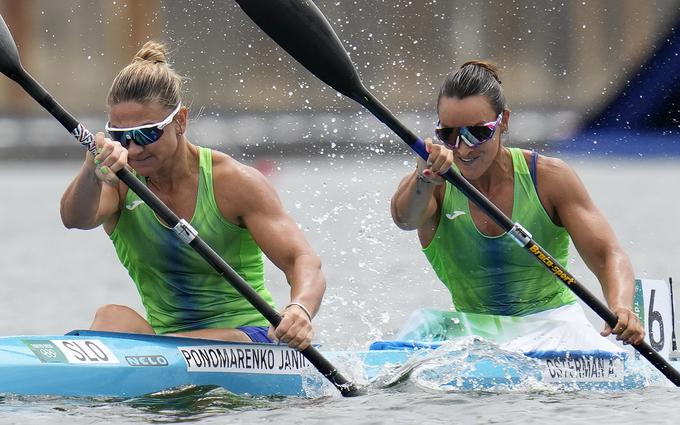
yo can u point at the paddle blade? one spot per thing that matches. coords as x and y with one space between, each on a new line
300 28
10 65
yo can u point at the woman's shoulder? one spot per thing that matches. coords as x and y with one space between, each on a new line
221 161
225 166
235 177
545 163
557 181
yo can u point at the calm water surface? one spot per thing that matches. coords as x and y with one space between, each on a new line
52 280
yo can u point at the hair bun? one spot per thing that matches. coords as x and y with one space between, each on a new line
148 78
152 51
493 69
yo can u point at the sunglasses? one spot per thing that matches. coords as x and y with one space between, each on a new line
142 135
472 136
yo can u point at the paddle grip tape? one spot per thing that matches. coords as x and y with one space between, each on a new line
184 231
85 138
520 235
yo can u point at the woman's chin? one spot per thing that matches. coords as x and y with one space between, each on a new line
142 167
468 168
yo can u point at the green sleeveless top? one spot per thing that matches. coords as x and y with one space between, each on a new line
179 289
493 275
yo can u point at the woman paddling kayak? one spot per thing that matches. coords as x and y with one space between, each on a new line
233 207
481 267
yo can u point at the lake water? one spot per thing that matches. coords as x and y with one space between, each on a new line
52 280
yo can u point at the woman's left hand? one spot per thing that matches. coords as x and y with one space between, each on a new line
295 328
628 327
438 162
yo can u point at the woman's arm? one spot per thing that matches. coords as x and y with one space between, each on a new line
596 243
261 212
415 204
92 197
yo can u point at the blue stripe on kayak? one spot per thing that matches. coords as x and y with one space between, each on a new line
542 354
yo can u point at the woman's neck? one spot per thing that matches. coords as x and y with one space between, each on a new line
499 171
181 165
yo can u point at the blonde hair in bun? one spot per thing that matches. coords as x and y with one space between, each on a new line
148 78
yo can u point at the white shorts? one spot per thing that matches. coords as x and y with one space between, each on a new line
559 329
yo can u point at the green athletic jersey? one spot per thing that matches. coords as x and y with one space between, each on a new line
179 289
493 275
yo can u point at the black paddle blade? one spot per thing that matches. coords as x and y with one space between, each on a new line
10 65
300 28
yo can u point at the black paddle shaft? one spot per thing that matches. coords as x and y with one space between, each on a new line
10 65
300 28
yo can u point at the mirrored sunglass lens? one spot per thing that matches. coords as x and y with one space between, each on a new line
480 133
145 136
118 136
443 134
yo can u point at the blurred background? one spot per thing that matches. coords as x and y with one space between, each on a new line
594 82
563 65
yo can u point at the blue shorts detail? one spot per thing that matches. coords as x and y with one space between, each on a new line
256 333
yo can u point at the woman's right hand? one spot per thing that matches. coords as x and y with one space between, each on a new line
111 157
438 162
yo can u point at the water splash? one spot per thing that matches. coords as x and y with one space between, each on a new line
468 363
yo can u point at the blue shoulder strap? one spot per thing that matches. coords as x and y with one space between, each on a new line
532 167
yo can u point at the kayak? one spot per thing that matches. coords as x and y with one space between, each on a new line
95 364
92 364
437 350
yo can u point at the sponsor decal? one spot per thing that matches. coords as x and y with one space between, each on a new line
583 369
148 360
454 215
134 204
83 351
554 267
243 358
46 351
